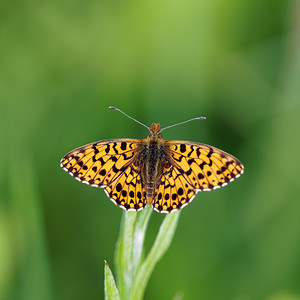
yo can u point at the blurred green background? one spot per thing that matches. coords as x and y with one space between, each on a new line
62 63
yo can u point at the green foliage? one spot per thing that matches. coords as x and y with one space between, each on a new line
134 272
160 246
235 62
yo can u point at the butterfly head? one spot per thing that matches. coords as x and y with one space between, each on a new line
155 132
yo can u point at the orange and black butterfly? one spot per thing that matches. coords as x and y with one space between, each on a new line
164 174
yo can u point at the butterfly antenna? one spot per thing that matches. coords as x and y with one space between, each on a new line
197 118
115 108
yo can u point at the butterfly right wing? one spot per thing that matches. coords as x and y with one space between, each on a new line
173 192
193 167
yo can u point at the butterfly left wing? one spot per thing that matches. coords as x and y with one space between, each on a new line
108 164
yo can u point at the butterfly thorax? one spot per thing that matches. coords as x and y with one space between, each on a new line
152 160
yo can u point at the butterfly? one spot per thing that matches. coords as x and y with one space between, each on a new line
165 174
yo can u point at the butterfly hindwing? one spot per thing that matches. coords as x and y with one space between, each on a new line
173 192
127 191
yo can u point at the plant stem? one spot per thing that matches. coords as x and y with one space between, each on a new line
123 256
161 245
139 237
133 272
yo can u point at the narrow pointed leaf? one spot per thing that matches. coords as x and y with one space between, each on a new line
111 291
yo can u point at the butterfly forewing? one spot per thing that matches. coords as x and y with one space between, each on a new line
204 167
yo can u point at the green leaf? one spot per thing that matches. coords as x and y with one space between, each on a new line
111 291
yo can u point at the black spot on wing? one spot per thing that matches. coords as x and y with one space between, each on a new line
123 146
182 148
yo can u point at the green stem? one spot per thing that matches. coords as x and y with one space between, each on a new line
161 245
133 272
139 237
123 255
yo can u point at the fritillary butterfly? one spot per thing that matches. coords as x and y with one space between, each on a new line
164 174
